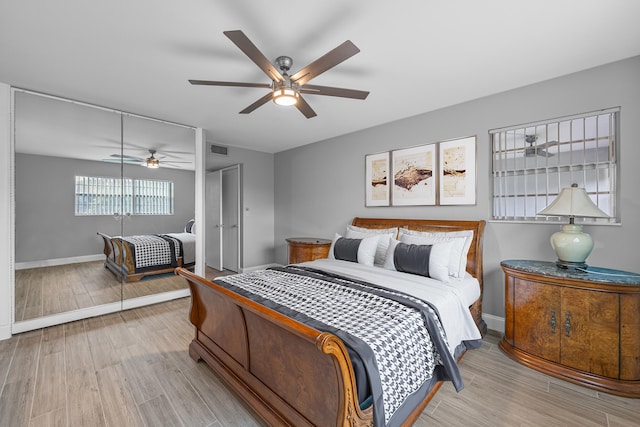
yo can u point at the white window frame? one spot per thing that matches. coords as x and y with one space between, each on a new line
579 149
141 196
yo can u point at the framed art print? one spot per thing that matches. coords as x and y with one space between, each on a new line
413 171
377 179
457 165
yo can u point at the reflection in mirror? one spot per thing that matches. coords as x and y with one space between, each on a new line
158 235
58 261
82 186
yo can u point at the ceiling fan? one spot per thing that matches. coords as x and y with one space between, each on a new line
150 162
286 89
537 150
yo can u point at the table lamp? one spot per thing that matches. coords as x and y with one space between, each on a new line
572 245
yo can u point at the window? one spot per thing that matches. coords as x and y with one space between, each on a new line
532 163
104 196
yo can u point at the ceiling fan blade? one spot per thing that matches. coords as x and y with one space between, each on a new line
260 102
234 84
249 49
127 161
305 108
124 156
327 61
334 91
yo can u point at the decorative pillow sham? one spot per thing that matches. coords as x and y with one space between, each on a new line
361 251
424 260
190 227
461 244
386 234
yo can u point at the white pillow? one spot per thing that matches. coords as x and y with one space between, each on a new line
366 249
354 232
438 259
460 249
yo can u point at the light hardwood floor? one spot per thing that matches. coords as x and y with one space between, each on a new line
56 289
133 369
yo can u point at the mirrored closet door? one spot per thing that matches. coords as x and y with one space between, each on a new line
84 175
57 254
158 166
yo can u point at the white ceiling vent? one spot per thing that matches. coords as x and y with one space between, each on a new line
218 149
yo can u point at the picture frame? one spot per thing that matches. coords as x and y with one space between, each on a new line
377 179
414 176
457 176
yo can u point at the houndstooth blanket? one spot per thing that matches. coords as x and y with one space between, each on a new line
151 250
397 338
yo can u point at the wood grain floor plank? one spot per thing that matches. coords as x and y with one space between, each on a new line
159 412
50 385
118 331
84 403
103 353
137 364
225 405
118 402
7 349
187 403
52 340
77 350
50 419
25 358
15 402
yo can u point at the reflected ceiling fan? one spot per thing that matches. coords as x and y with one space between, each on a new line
537 150
151 162
286 89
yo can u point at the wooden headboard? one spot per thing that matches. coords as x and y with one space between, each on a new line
474 257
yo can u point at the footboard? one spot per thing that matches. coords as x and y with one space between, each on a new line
119 260
289 373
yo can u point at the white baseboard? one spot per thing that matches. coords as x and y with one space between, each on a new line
69 316
58 261
494 323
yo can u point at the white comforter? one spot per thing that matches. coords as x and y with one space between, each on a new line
188 246
448 298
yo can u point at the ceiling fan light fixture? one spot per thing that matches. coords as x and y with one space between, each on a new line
152 162
285 96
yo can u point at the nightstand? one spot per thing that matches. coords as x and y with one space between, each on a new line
302 249
581 326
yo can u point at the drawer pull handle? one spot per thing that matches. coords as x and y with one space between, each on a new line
567 324
553 321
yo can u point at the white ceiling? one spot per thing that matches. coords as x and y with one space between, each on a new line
416 56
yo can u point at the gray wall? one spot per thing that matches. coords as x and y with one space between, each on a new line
46 225
257 202
319 188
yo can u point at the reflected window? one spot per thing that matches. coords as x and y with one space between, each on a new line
532 163
115 196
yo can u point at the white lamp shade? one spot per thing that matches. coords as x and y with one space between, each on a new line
573 202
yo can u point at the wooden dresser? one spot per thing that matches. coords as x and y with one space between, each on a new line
583 327
302 249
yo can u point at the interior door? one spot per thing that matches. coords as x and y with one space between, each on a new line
213 221
231 218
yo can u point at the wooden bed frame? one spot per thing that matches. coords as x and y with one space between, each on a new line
289 373
120 261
